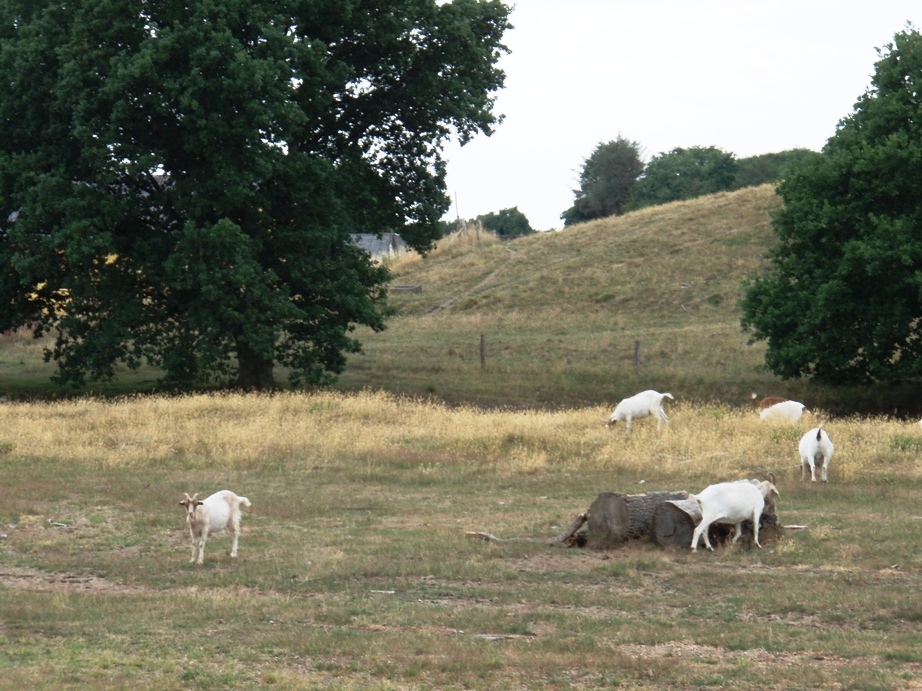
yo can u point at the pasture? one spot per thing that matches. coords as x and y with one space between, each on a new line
354 571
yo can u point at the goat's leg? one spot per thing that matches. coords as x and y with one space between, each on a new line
812 469
192 536
235 530
201 545
756 517
738 532
695 536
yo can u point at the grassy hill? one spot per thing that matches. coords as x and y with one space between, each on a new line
562 313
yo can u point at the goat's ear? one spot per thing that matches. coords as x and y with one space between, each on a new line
199 503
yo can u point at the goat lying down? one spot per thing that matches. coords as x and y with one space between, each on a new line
734 503
220 511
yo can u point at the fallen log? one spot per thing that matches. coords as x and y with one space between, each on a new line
615 517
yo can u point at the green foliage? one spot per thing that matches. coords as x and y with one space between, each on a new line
606 181
842 300
684 174
758 170
178 184
509 222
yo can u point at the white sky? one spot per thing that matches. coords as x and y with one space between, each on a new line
747 77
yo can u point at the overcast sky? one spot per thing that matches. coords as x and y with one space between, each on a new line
747 77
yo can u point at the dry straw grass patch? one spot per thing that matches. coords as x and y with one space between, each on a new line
314 430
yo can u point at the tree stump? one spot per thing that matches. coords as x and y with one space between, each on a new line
674 523
615 517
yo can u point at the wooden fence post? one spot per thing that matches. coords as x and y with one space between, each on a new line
636 354
483 352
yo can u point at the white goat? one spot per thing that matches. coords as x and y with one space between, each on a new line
766 402
815 449
218 512
785 410
641 405
733 502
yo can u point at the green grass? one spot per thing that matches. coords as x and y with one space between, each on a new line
355 571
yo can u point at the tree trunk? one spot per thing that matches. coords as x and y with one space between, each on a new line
615 517
674 522
254 372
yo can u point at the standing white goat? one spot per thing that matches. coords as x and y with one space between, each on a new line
815 450
786 410
639 406
733 502
218 512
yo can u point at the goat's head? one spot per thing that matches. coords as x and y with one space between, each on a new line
191 503
769 492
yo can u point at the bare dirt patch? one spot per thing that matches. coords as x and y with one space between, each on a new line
38 581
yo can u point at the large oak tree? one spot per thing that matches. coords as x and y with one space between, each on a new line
179 179
842 299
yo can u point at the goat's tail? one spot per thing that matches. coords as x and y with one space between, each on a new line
245 502
819 432
668 394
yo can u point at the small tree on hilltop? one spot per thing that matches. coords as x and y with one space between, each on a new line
684 174
508 222
606 181
842 300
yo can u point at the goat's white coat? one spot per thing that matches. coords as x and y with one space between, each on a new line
815 450
220 511
733 502
786 410
639 406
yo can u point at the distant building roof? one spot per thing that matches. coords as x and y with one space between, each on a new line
388 245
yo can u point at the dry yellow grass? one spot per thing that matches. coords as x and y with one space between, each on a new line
332 429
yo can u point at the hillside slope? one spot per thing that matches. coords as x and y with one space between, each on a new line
674 264
587 314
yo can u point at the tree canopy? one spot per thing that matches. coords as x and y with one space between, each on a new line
684 174
842 299
507 222
606 181
179 180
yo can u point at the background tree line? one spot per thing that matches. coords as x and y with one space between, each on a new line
614 179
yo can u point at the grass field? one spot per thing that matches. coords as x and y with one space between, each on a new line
355 569
355 572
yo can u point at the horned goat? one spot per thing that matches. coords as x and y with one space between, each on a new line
785 410
734 503
220 511
641 405
815 450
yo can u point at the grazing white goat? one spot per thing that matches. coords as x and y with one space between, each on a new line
218 512
641 405
785 410
733 502
815 450
766 402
